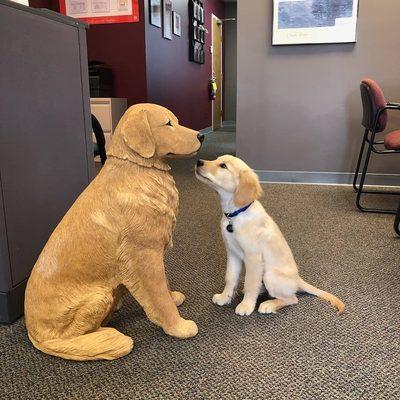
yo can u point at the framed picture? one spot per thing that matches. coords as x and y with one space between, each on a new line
155 12
314 21
101 11
167 19
177 23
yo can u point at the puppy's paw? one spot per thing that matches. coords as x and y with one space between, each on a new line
183 329
244 308
178 298
267 307
221 299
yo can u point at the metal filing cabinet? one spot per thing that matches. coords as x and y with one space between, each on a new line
46 150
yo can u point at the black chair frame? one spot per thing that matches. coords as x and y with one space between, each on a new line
397 221
100 149
374 146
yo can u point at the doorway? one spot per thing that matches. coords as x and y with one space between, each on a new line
217 74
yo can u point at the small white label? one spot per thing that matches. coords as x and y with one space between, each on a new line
24 2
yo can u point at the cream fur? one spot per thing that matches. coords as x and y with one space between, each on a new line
113 237
255 241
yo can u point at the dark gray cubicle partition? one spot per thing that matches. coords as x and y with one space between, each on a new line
46 150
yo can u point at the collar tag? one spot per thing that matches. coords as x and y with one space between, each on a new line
229 227
231 215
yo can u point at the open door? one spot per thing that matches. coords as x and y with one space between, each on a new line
217 70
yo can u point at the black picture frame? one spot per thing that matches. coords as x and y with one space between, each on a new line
167 19
197 32
155 13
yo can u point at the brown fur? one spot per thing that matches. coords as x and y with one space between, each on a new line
113 237
249 188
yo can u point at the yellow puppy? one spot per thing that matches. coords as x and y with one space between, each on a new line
252 237
113 237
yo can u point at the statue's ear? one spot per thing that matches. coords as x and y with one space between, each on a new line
249 188
137 134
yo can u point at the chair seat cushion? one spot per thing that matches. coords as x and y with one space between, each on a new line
392 140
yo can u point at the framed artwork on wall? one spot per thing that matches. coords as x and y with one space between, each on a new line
197 31
314 21
100 11
167 19
155 12
177 23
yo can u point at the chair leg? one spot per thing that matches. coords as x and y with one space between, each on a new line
360 191
362 180
357 172
360 187
397 221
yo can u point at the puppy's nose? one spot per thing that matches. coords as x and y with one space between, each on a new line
200 136
200 163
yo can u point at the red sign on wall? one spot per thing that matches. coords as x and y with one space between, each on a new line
101 11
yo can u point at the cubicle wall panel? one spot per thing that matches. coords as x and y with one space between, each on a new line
44 134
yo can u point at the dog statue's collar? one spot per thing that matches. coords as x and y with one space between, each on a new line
143 162
229 227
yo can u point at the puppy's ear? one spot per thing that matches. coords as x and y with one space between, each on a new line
249 188
137 134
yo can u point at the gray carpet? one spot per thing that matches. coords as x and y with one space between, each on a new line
306 351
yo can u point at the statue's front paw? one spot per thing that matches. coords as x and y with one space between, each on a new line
178 298
183 329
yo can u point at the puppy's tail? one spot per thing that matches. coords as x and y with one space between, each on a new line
103 344
330 298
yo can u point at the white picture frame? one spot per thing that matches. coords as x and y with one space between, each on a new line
177 24
314 21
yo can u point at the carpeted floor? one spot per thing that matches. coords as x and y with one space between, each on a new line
304 352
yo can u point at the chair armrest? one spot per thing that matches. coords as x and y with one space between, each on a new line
392 106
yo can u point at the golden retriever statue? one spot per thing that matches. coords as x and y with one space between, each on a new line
113 237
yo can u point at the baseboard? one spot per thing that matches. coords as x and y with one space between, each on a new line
12 303
225 124
206 131
326 178
230 124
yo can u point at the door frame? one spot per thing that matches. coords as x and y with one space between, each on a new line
214 17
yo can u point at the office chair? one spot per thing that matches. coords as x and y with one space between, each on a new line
375 117
99 148
397 221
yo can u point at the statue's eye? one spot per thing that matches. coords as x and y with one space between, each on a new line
223 165
169 123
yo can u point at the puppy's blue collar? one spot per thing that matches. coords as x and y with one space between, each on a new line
237 212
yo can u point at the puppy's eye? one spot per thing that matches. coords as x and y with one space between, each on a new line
223 165
169 123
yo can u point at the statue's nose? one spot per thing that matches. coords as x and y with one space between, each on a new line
200 136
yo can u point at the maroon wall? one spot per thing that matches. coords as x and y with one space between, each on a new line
50 4
172 80
122 47
148 67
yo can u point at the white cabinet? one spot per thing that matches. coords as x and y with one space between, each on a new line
108 111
